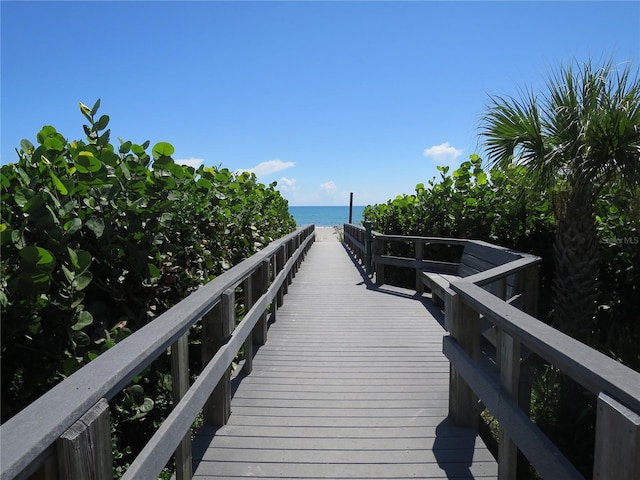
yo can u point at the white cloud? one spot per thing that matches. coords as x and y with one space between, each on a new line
190 162
270 166
287 184
329 187
443 153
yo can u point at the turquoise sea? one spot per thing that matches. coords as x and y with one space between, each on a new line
325 216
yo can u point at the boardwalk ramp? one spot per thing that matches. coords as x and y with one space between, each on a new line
352 383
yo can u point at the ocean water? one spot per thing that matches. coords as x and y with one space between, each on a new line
325 216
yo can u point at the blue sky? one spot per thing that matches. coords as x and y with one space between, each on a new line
325 98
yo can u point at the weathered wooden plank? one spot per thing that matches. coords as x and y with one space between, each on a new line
390 471
84 450
617 454
180 385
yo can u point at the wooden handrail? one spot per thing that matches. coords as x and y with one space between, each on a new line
590 368
27 439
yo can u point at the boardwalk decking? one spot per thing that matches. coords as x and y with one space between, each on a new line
351 384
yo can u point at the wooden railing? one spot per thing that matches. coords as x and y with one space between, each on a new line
65 434
474 382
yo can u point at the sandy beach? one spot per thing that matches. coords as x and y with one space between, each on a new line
328 234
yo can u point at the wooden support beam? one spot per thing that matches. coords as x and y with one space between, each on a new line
378 250
419 248
217 327
280 260
260 286
617 453
510 380
464 326
84 450
249 300
180 385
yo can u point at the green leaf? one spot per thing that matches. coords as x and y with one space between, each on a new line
125 147
154 272
87 163
72 225
162 149
96 225
70 276
26 146
53 143
38 256
47 132
84 319
83 280
102 123
95 108
84 109
481 178
59 185
147 405
22 196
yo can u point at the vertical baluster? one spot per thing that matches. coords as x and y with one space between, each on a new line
419 251
617 441
260 286
464 326
217 326
84 450
509 379
378 249
180 382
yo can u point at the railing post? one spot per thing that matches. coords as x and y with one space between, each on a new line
180 385
249 300
367 246
464 326
281 259
378 250
84 450
260 286
509 379
617 441
531 285
419 248
217 326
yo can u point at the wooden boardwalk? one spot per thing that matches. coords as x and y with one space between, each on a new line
352 383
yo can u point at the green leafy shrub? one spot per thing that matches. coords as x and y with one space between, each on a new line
470 203
97 240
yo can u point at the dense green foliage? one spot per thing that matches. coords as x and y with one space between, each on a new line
471 202
98 240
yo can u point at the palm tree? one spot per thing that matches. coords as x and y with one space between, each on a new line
577 138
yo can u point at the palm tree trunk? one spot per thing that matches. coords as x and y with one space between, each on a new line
575 286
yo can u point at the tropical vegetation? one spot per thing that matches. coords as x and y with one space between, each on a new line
97 241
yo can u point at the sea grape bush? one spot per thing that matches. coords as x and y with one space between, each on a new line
470 203
97 240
